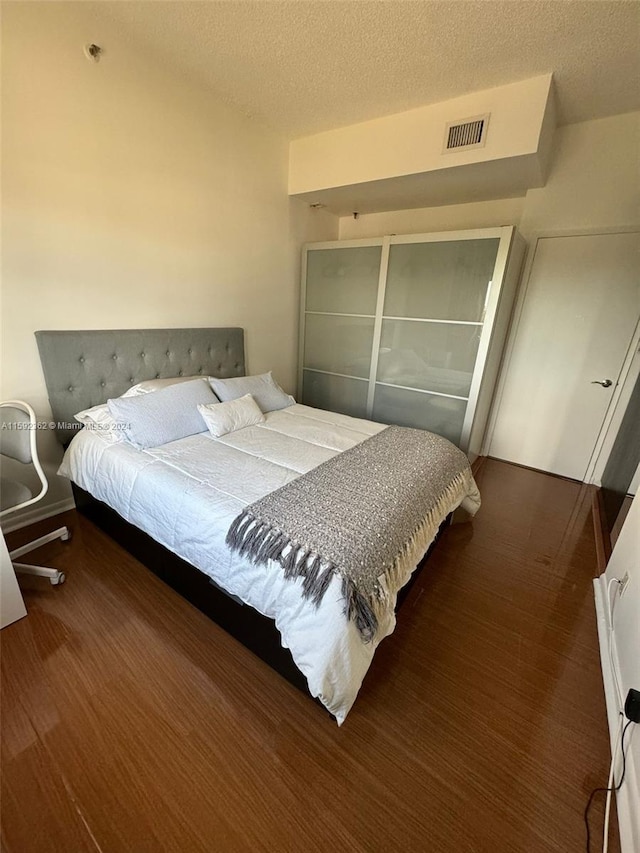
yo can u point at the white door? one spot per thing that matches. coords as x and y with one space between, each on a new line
579 315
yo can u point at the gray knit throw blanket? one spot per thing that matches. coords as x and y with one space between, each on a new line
362 515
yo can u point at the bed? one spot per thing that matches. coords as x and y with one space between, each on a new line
173 505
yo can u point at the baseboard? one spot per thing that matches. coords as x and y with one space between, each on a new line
629 793
477 464
23 519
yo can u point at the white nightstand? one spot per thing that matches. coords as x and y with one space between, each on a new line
11 604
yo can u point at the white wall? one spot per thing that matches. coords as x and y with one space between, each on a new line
626 658
134 198
594 178
625 559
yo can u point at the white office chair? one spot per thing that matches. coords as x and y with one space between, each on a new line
18 441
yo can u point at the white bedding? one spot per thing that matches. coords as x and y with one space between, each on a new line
185 494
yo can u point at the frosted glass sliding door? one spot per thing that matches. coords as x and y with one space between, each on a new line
335 393
440 280
343 280
339 344
340 297
428 355
443 415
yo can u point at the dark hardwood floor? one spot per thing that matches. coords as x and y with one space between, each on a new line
132 723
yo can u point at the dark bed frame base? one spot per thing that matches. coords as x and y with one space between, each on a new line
255 631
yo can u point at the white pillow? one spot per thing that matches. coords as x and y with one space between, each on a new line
150 385
263 388
100 419
150 420
222 418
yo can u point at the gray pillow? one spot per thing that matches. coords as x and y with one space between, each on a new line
263 388
150 420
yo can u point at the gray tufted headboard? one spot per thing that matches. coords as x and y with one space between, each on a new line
85 368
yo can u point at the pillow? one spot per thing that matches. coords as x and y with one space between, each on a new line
222 418
150 385
264 389
99 418
150 420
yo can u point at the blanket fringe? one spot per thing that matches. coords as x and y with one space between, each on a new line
260 542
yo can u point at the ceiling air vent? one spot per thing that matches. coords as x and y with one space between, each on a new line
465 134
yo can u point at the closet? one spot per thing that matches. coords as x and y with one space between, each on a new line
409 329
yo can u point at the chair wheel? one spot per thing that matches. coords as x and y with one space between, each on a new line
58 580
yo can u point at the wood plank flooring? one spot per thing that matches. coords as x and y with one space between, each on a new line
132 723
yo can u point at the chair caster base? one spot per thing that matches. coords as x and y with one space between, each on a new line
55 576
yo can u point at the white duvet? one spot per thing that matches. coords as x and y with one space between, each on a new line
185 494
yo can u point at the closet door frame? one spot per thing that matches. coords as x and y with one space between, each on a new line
377 323
488 327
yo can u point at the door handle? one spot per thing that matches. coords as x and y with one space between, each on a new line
606 383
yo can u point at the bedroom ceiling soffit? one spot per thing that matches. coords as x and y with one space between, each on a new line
404 161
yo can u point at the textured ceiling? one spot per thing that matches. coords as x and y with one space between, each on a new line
305 66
